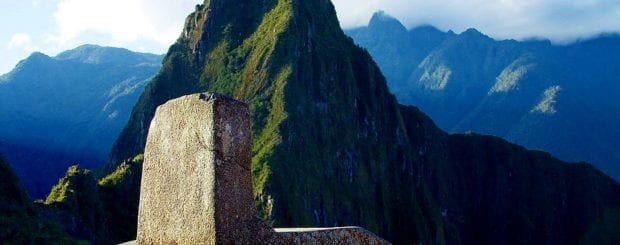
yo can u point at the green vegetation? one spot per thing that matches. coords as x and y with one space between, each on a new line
297 92
120 194
100 211
75 203
62 191
333 147
121 173
19 218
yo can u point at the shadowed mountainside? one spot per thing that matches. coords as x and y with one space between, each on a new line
19 219
65 110
561 99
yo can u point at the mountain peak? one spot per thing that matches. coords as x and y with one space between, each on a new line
382 16
425 28
306 84
381 20
35 60
429 32
473 32
81 53
38 55
95 54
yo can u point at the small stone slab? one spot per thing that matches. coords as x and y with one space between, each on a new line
336 235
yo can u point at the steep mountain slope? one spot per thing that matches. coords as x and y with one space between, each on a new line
63 110
395 49
333 147
556 98
101 211
19 220
304 80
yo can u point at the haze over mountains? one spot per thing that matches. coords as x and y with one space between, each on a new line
68 109
561 99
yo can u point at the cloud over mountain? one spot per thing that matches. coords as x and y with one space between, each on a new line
559 20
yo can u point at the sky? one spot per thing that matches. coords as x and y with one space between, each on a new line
52 26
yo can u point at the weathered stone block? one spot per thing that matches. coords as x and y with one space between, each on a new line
196 183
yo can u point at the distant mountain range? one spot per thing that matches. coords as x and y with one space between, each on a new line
65 110
559 98
332 146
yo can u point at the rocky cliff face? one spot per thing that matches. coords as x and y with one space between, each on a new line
332 146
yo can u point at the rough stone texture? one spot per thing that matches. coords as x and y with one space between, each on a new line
196 182
336 235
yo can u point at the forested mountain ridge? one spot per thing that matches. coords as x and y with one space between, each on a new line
68 109
557 98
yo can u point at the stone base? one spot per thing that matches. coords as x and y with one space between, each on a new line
336 235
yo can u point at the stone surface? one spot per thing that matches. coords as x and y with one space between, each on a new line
196 183
197 186
336 235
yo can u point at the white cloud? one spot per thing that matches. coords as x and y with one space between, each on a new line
139 23
559 20
52 26
21 41
122 21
